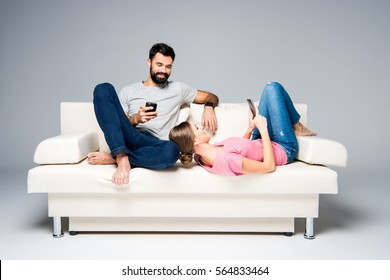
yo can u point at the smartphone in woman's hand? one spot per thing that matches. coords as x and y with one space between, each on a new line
252 107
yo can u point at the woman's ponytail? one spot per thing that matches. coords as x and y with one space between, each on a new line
184 137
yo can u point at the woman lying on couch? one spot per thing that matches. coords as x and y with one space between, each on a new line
273 141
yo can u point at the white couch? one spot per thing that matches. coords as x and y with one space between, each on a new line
178 198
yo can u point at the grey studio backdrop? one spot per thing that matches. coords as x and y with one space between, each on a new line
331 55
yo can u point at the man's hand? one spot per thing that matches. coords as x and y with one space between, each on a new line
209 120
142 116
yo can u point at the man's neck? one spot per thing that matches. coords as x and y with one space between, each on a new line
149 83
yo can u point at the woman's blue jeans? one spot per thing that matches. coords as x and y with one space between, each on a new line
143 149
277 107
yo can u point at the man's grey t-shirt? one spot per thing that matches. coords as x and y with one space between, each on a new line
169 98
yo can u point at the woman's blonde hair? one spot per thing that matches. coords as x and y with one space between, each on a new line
184 137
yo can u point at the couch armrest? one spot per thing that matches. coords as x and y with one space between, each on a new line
315 150
66 148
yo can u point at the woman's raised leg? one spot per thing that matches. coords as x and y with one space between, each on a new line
277 107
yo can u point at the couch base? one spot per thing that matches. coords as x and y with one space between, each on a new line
184 206
268 213
115 224
77 225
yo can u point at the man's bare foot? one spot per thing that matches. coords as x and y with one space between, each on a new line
100 158
122 173
301 130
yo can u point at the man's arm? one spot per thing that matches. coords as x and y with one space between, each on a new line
209 120
204 96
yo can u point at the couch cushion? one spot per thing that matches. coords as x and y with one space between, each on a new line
296 177
68 148
316 150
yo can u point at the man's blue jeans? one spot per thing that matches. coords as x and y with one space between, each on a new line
277 107
143 149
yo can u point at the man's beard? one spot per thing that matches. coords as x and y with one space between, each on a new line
158 80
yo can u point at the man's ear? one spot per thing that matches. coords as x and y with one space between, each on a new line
149 62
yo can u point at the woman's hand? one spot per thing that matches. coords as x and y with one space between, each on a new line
251 125
251 121
261 124
268 163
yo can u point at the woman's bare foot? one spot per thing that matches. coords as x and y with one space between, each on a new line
301 130
122 173
100 158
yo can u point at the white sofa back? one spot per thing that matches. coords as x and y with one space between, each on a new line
81 134
232 119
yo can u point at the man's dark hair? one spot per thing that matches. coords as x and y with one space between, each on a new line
162 48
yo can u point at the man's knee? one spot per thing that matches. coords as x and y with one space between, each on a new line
103 90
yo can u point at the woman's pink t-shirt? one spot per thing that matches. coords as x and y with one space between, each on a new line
228 160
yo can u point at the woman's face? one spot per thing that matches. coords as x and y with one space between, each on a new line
201 135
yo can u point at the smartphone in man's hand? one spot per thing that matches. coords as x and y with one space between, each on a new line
151 104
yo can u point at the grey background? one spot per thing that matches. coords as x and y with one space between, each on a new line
332 55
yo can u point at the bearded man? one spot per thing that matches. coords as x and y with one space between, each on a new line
136 133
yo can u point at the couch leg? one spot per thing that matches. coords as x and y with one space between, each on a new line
57 228
309 233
